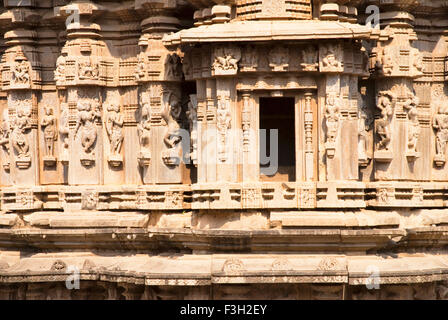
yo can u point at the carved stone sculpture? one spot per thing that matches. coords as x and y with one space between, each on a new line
309 58
172 138
5 131
21 71
383 124
332 117
413 126
140 71
192 114
144 135
114 127
64 131
249 59
19 140
59 73
173 66
279 58
223 124
87 115
440 125
49 126
225 61
88 70
331 58
364 126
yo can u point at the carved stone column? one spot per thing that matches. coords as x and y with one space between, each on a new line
85 65
400 120
159 72
21 77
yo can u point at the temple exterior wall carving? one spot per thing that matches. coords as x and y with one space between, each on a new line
140 126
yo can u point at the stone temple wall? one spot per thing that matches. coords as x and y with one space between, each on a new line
131 152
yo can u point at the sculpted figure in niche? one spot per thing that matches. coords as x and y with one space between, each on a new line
64 132
223 124
59 73
249 58
330 60
22 123
226 60
4 139
88 70
309 58
173 66
144 135
186 65
171 115
114 128
86 123
278 58
417 61
440 124
49 124
192 115
141 68
414 126
21 72
387 62
364 126
383 124
332 115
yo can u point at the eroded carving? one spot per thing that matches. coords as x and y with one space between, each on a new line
279 58
223 124
440 125
332 118
225 61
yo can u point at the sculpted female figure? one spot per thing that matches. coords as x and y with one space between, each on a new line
440 124
114 127
171 115
86 122
18 138
50 133
144 127
383 124
332 118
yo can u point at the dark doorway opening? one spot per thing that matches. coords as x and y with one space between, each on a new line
277 114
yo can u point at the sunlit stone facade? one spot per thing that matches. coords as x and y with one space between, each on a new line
224 149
